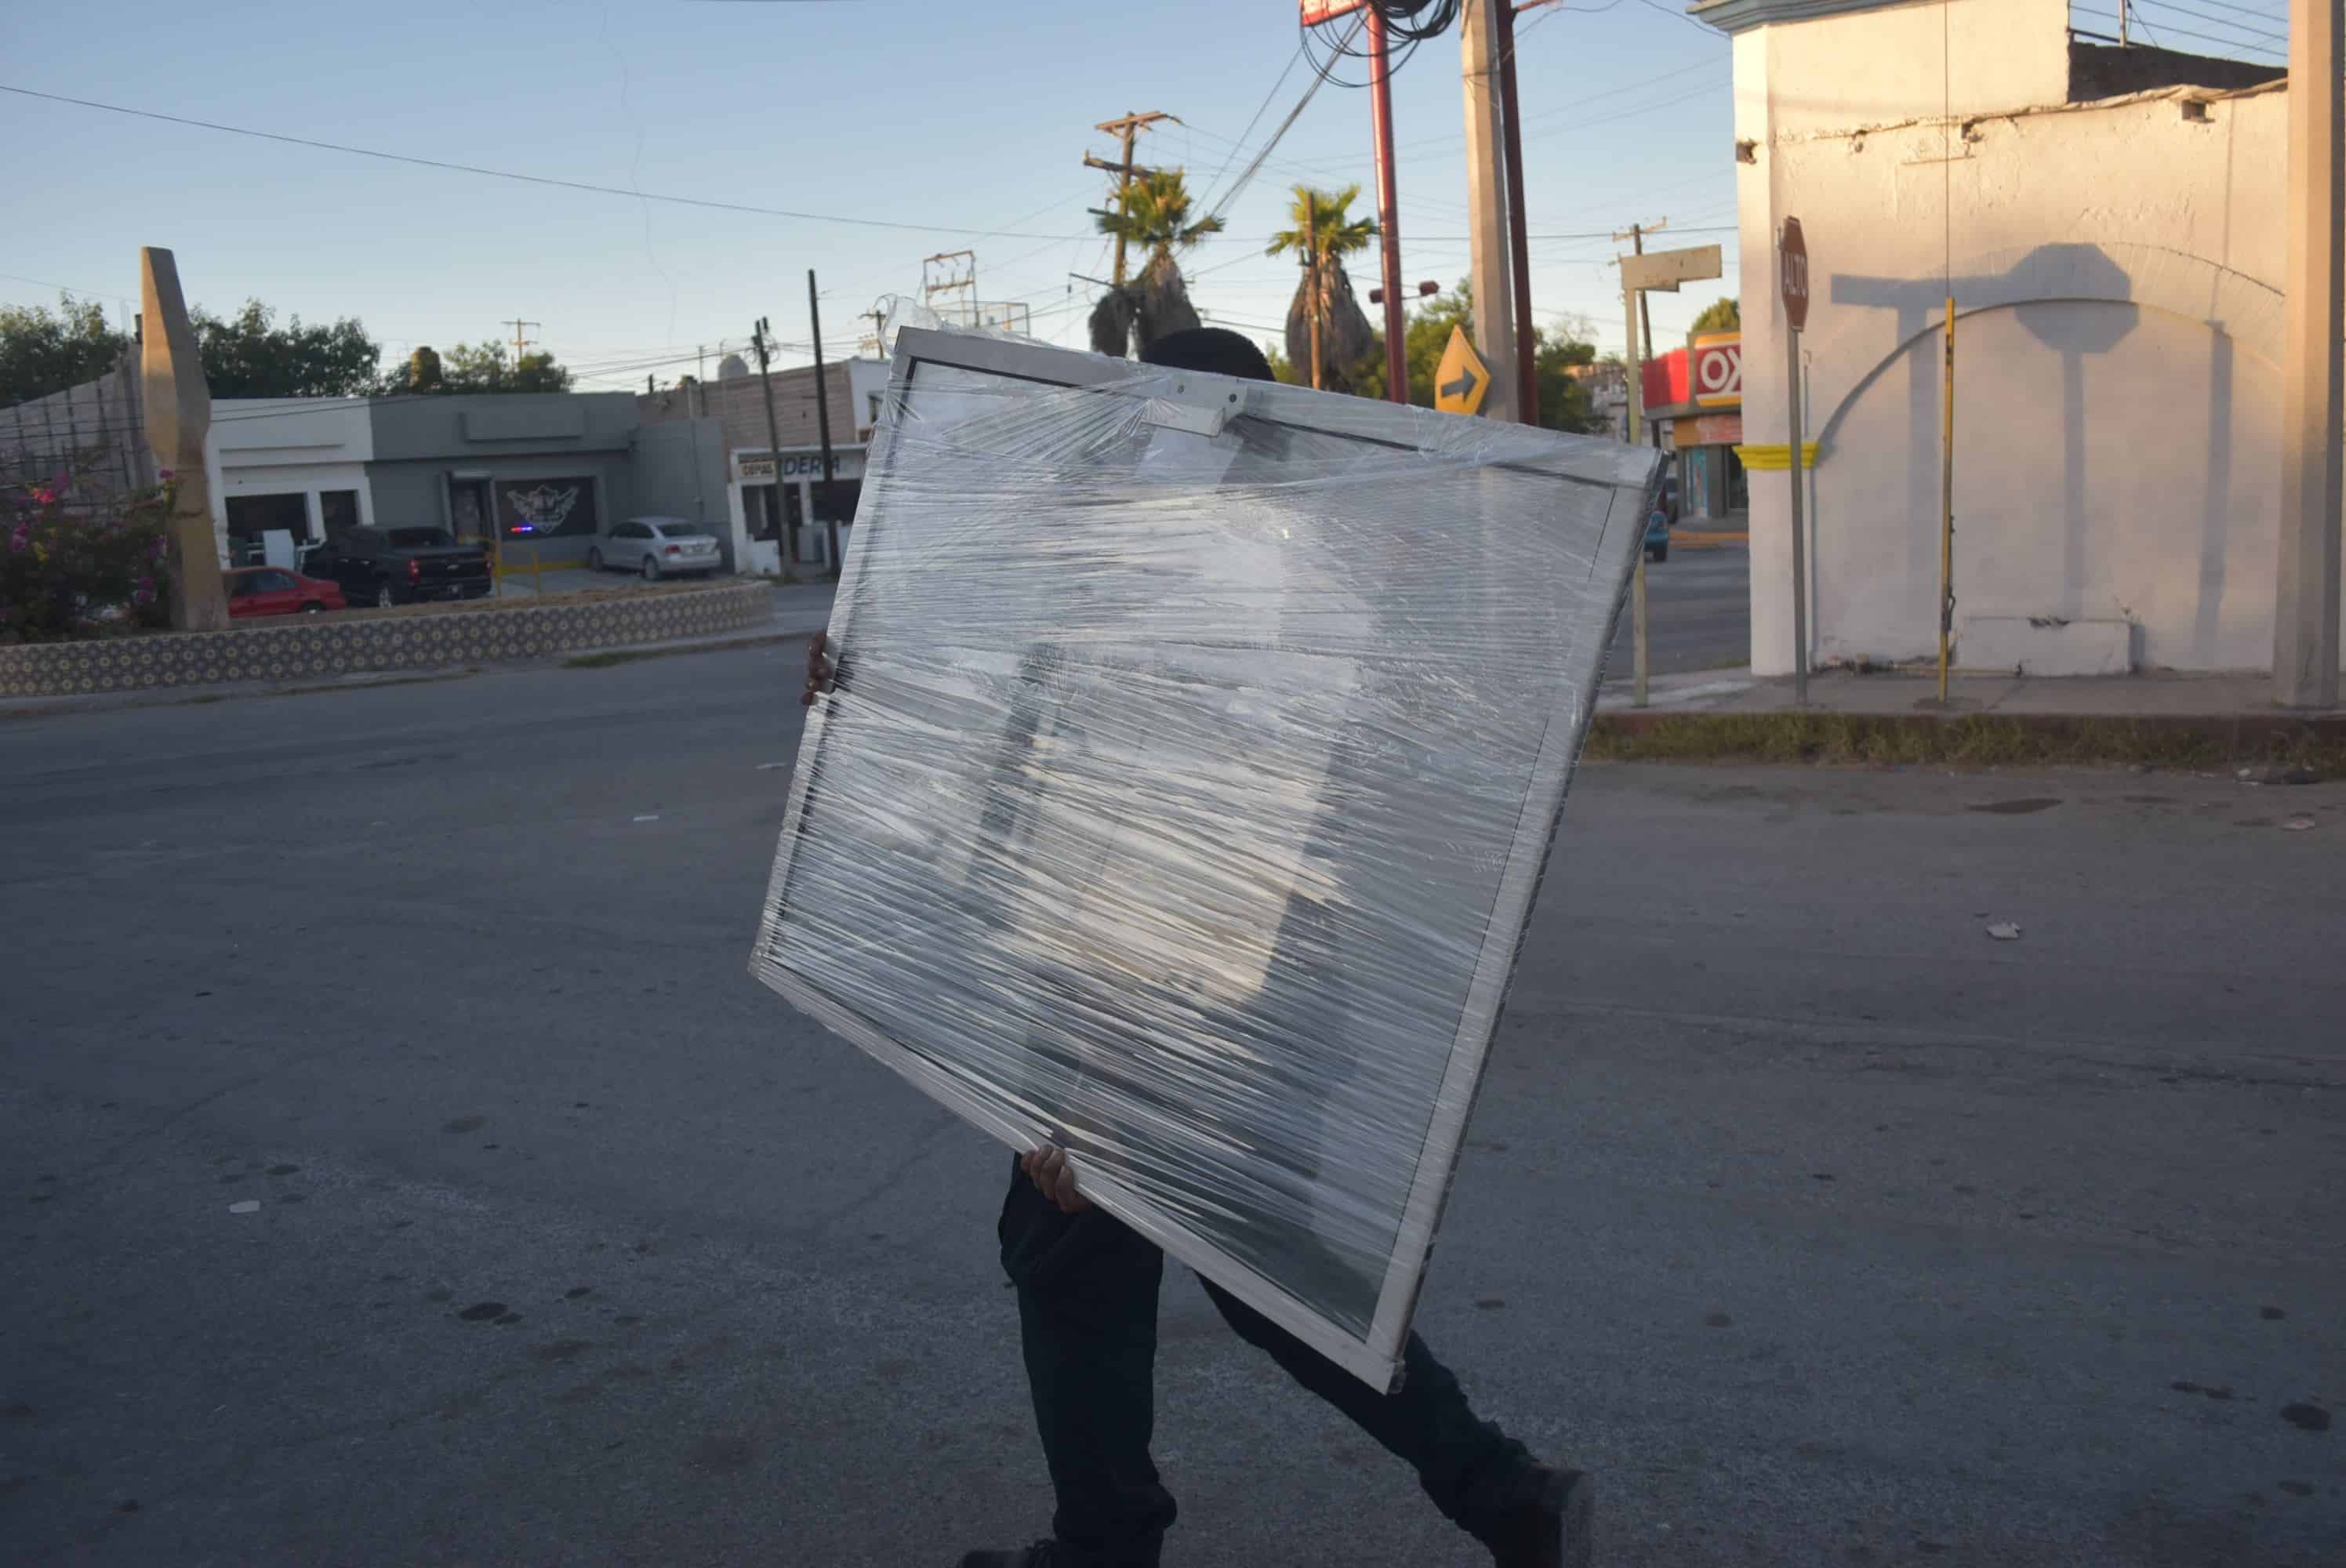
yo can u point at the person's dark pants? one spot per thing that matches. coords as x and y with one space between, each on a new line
1086 1288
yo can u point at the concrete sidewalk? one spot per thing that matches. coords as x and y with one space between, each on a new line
1909 694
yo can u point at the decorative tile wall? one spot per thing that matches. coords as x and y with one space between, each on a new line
315 646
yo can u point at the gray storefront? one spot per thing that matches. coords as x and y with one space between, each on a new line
550 471
535 475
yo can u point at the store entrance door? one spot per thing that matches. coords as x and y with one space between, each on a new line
468 512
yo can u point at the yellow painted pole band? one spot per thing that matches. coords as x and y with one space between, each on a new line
1775 458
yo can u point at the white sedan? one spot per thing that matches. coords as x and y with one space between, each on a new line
656 546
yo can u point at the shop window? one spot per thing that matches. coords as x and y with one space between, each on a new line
251 517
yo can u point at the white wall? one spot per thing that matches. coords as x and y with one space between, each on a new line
272 446
2114 268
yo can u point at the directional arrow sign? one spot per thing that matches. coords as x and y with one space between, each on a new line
1461 379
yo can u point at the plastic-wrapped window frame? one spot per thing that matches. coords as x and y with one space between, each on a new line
1202 404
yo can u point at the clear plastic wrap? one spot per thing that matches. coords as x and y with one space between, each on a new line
1194 756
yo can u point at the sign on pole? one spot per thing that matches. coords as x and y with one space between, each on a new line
1793 282
1462 378
1663 271
1792 275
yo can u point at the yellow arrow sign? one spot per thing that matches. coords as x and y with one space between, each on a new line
1461 379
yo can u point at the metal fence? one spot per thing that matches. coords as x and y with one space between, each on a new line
92 436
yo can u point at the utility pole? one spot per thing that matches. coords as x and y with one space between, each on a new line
2312 385
1388 215
1127 127
822 425
521 342
1638 356
1496 339
1637 239
783 529
1519 243
1311 260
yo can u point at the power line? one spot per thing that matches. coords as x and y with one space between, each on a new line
2281 37
1239 145
528 178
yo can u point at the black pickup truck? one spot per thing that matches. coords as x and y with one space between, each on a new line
400 566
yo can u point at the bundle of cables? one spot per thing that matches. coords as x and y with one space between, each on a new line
1407 24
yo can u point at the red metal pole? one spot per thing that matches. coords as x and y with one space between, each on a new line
1519 233
1388 219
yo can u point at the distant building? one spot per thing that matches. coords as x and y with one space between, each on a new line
1694 402
2110 224
776 509
1608 382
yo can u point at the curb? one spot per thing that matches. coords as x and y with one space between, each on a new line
1813 735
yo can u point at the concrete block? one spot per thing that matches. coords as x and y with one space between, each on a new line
2045 645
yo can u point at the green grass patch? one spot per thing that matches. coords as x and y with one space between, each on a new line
1971 740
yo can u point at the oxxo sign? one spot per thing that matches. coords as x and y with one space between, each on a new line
1717 370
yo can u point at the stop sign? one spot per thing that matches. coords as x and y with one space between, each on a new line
1792 274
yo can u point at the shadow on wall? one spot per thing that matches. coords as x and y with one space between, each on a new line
2044 289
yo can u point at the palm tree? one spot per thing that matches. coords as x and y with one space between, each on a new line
1324 234
1153 215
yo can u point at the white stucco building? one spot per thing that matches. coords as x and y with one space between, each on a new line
291 465
2110 224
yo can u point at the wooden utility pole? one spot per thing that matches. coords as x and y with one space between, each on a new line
1519 243
1482 53
822 425
1311 264
521 340
1127 127
783 532
1637 239
2312 388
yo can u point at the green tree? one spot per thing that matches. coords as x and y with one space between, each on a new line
481 367
1154 216
249 355
1721 316
44 350
1324 232
1565 403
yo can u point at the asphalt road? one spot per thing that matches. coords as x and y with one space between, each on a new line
1825 1229
1698 613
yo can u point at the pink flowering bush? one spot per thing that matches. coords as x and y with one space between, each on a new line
78 563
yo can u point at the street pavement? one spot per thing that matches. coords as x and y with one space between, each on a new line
1698 611
1822 1227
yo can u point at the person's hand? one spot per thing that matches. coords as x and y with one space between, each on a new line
820 670
1054 1176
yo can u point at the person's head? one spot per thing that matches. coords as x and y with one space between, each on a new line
1217 351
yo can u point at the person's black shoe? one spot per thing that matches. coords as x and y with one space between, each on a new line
1550 1527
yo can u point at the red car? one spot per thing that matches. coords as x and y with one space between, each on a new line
274 591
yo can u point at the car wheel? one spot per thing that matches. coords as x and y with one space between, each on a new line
312 608
593 560
382 599
651 569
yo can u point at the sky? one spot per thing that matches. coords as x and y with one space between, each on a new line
967 123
